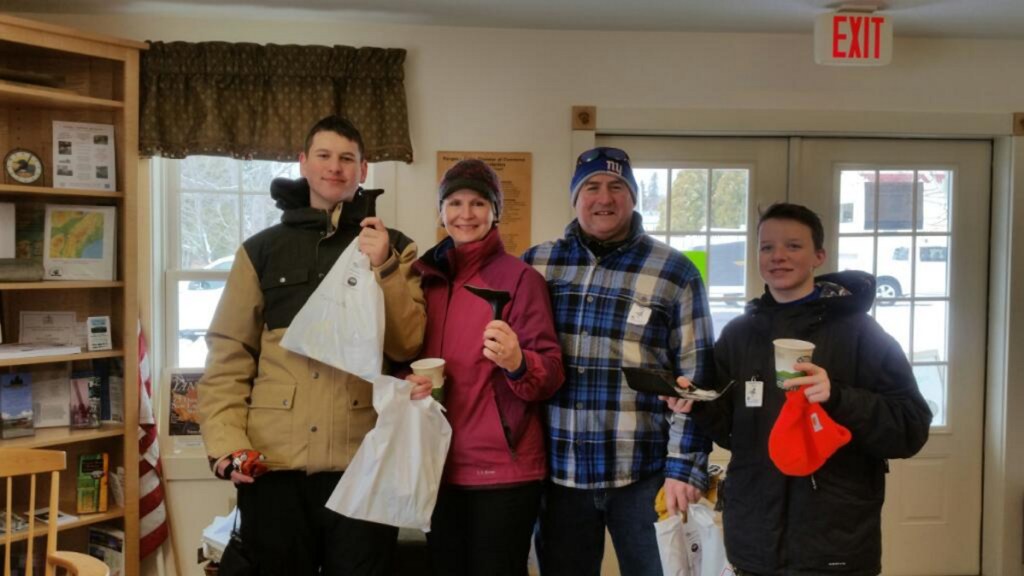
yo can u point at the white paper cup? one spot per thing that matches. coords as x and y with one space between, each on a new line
789 352
434 369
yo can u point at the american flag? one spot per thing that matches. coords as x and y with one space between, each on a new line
152 514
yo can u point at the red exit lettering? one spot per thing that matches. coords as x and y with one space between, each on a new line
856 37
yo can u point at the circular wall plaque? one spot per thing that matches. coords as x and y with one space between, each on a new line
23 166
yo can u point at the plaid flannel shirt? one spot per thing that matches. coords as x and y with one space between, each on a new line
641 305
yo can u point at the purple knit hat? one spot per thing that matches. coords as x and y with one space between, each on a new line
476 175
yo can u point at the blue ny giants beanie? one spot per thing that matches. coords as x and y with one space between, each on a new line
602 160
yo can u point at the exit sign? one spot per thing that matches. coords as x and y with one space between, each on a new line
852 39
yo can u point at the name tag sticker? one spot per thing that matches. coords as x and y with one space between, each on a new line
754 393
638 315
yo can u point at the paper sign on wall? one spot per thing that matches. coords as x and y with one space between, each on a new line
516 172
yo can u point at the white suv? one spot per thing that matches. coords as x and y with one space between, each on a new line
892 279
198 301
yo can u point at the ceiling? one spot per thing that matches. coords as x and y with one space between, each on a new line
911 18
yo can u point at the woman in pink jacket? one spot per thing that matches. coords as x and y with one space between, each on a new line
496 373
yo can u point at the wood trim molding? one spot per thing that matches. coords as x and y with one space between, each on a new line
810 123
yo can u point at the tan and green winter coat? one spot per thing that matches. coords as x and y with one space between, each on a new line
300 413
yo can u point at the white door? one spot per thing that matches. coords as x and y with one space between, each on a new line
915 213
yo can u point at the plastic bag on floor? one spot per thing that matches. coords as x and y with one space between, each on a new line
342 323
395 475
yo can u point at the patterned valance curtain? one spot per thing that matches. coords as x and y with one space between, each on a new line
255 101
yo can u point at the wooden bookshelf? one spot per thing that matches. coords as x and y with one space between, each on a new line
32 360
61 285
39 530
38 192
56 437
98 82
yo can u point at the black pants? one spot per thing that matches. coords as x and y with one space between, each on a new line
483 532
289 532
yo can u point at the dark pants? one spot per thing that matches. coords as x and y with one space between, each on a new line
483 532
570 541
287 529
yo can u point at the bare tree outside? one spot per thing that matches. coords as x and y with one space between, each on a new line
223 201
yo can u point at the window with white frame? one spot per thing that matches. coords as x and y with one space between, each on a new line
212 205
701 210
901 232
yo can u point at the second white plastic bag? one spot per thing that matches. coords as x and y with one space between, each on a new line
692 548
395 475
672 546
342 323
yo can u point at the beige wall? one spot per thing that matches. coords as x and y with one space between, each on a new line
512 90
490 89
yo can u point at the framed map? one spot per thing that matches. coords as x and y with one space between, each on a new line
78 242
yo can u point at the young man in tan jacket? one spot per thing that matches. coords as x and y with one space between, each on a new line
284 427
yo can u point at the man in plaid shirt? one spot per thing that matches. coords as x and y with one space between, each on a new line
620 299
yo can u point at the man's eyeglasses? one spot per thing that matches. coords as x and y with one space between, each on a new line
602 151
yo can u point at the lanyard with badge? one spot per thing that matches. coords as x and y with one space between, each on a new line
753 394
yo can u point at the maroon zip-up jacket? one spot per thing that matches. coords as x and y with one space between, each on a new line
497 436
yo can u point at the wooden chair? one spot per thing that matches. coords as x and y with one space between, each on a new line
24 462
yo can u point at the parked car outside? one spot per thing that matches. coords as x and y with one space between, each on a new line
198 299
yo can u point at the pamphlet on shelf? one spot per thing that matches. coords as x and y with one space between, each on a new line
18 350
46 327
107 544
85 397
111 374
7 230
183 417
19 523
43 515
51 405
28 231
79 242
93 472
16 405
117 486
20 270
83 156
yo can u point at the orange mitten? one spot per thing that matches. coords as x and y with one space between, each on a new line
804 436
248 462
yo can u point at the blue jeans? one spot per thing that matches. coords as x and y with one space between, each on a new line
570 539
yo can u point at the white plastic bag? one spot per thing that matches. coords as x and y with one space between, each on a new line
395 475
342 323
706 543
672 546
693 548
